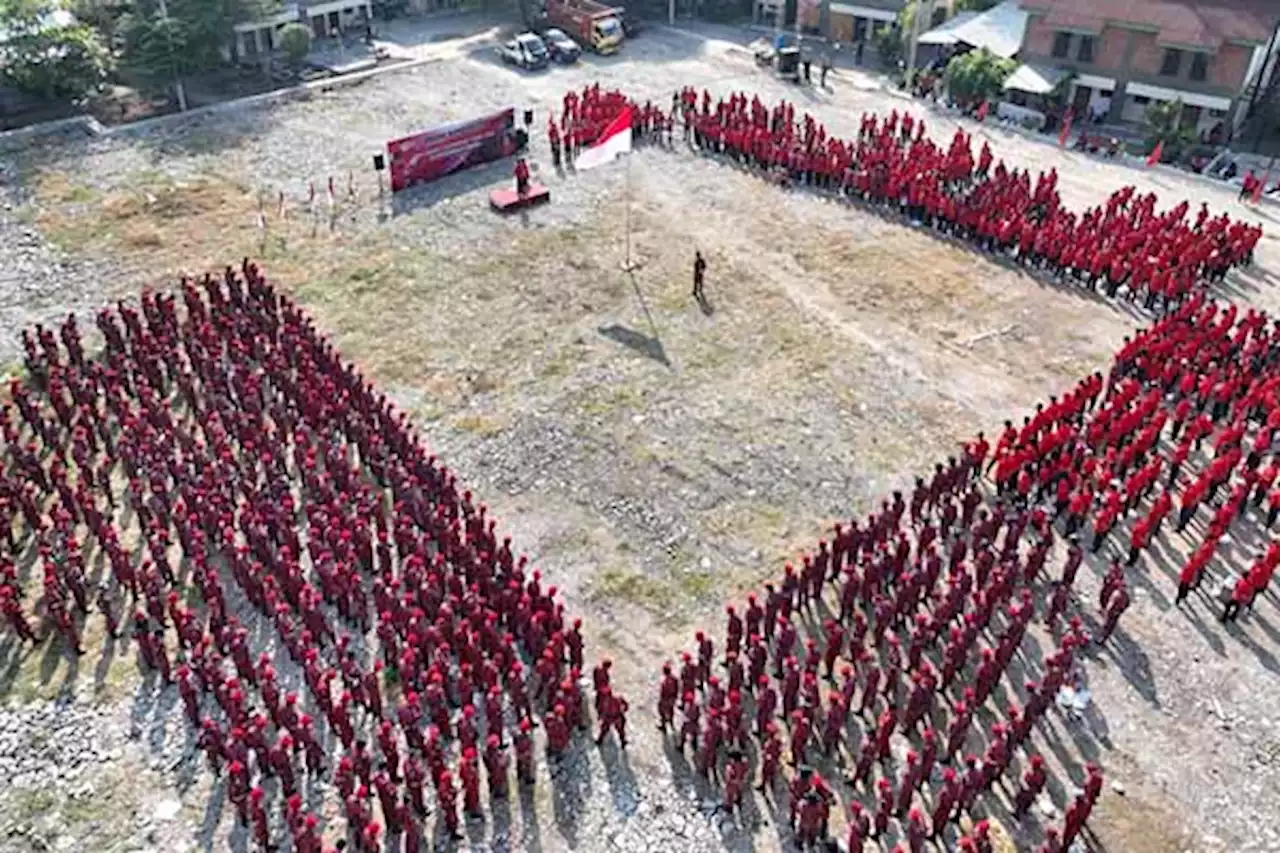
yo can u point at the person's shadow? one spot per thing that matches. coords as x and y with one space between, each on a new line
705 304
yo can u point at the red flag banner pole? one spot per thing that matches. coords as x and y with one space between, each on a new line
1156 153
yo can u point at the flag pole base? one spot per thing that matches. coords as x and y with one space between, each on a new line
630 265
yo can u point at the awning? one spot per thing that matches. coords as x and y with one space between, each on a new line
1036 79
853 10
945 33
1000 29
1093 81
1194 99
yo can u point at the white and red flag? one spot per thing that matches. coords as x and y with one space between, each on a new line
615 140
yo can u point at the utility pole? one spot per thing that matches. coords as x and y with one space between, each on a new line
177 81
1258 86
923 14
671 13
1266 65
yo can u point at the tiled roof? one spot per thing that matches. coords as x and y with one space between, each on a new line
1193 23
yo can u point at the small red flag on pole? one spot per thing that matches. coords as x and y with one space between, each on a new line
1260 186
982 111
1066 130
1156 153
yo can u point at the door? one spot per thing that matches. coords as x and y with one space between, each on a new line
1080 100
1190 116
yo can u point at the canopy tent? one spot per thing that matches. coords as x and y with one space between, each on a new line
999 29
945 33
1035 79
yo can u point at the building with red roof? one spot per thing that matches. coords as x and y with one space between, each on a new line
1125 54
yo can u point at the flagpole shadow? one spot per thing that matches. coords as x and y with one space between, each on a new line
650 346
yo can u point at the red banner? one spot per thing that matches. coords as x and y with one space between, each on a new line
448 148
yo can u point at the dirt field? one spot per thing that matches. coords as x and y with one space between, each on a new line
656 461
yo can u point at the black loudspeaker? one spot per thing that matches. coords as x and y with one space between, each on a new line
528 118
379 163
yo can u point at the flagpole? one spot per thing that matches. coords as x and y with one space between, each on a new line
627 213
628 264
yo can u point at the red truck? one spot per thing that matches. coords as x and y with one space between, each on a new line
595 25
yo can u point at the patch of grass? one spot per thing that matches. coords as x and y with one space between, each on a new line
612 399
31 804
696 584
143 235
480 425
182 225
82 810
571 539
613 584
710 354
428 411
13 370
669 597
761 523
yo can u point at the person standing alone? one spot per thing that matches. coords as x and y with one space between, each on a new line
699 274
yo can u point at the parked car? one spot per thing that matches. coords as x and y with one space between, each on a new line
561 47
525 51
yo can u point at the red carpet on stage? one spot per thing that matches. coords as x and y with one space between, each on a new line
507 201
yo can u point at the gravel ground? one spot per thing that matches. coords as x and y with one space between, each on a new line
654 460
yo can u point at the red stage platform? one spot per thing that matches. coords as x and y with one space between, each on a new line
506 200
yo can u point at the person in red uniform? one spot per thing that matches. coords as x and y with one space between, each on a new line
1033 782
522 177
523 740
668 692
469 774
447 801
770 759
735 778
613 715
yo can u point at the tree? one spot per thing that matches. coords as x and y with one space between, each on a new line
1163 124
295 40
190 39
47 53
889 46
977 76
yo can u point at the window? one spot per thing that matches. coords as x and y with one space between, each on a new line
1172 62
1199 66
1141 100
1085 51
1061 44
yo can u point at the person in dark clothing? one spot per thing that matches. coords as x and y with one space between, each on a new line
699 274
522 177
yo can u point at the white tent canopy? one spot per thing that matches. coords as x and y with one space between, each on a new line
1000 30
1035 79
945 33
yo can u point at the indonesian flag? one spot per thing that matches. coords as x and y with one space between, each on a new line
1156 153
615 140
1258 188
982 111
1066 130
